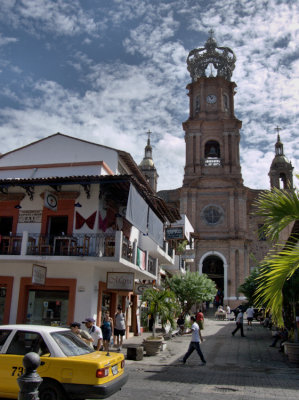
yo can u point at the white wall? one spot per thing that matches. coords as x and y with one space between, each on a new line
60 149
86 274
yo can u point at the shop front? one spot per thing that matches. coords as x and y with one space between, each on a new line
49 304
110 298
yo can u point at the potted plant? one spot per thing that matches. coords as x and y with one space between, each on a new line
279 273
160 303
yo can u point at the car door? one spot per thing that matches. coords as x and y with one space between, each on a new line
6 363
11 363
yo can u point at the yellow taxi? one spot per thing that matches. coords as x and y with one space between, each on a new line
70 369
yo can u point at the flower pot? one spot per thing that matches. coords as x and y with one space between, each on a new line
292 352
152 346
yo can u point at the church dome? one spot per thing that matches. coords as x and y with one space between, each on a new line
147 162
280 161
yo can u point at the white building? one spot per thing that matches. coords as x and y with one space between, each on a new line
79 226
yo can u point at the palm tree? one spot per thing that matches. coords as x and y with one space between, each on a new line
279 209
161 303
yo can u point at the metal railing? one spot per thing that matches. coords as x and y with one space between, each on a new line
77 244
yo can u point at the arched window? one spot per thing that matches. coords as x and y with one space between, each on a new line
283 184
212 153
225 102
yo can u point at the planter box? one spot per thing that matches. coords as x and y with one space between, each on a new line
292 350
152 346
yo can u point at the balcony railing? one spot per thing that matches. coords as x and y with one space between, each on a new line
75 245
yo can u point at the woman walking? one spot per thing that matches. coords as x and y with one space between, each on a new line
107 329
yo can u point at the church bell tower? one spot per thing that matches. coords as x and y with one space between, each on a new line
281 170
212 130
213 195
147 165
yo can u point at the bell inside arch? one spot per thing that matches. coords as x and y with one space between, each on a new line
212 152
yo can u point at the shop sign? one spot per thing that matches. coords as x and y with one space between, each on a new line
39 274
173 233
141 287
30 216
120 281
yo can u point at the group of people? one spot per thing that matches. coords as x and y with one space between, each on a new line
100 338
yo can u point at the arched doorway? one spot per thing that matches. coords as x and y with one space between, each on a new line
213 267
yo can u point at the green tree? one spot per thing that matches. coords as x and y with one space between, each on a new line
191 289
279 208
249 287
160 303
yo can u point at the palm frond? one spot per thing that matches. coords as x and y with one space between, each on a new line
277 268
279 208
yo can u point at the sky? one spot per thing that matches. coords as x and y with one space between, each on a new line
107 71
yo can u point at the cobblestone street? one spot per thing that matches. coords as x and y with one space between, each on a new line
237 368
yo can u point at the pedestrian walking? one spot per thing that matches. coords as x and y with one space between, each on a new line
200 319
249 314
95 332
239 323
119 328
107 329
196 339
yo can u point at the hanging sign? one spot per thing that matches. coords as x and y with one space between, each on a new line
39 274
175 232
120 281
141 287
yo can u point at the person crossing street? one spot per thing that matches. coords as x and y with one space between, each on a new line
195 343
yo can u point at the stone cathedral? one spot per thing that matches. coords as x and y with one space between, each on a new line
213 195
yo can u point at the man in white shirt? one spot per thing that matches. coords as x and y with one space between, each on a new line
194 344
250 314
95 332
239 323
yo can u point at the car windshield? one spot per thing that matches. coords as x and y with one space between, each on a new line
70 344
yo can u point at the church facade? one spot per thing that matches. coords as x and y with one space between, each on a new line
228 242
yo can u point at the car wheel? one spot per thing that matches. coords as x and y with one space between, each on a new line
51 391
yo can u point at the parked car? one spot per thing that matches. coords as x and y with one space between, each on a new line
69 367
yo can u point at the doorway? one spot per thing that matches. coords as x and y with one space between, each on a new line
213 268
58 225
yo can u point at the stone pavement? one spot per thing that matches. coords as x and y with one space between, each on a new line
237 368
220 347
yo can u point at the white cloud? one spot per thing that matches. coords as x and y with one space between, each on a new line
61 17
121 99
6 40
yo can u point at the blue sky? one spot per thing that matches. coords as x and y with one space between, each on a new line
109 70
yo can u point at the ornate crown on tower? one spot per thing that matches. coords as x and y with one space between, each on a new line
222 58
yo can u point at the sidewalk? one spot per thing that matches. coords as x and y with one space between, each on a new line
220 348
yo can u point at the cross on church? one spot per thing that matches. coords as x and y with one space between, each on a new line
277 130
149 134
211 32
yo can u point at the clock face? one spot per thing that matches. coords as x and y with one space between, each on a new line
211 99
52 200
